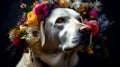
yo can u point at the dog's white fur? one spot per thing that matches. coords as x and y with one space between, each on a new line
55 38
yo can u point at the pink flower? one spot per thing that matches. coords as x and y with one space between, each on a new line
93 24
41 10
23 19
37 8
93 14
23 5
46 11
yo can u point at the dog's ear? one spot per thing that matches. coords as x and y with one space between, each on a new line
42 35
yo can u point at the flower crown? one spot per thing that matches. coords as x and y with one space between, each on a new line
26 33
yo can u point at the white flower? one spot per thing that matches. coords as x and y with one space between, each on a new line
33 33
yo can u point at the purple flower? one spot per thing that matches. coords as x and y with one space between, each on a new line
93 14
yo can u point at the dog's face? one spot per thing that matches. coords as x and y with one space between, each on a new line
64 30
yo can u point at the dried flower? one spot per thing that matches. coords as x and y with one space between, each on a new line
90 50
14 33
82 8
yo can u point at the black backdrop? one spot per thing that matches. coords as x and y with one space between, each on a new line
10 10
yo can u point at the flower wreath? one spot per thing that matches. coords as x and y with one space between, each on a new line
26 33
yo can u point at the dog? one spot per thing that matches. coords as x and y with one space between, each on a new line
61 35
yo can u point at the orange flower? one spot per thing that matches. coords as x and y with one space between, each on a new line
32 19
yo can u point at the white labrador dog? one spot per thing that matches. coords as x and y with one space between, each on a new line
62 34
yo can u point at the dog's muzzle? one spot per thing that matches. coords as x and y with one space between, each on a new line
86 34
83 39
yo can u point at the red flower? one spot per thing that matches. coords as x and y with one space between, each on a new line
20 43
93 24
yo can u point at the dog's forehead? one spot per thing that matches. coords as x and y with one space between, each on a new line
65 11
62 12
72 12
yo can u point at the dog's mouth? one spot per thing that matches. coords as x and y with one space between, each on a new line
86 39
83 40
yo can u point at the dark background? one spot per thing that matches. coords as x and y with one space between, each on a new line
10 11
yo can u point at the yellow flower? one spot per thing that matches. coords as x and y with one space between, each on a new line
32 19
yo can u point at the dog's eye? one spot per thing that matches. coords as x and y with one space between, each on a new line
60 20
79 19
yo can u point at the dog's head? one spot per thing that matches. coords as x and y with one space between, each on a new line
64 30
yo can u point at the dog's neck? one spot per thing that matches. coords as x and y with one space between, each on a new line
59 59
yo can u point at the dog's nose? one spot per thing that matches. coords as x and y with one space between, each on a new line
85 29
67 49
